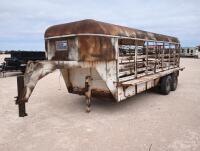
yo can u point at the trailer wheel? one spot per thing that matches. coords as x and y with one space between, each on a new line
174 82
165 85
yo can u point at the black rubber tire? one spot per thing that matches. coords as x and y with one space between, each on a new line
165 85
174 82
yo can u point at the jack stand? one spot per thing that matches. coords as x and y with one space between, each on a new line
21 103
88 82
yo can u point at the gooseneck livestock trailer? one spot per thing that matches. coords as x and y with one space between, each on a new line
101 59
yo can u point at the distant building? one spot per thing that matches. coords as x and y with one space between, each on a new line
190 52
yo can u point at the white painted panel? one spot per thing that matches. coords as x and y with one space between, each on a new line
141 87
130 91
150 84
77 78
108 72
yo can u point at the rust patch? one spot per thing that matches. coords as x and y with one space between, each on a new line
94 92
130 42
101 93
93 48
97 27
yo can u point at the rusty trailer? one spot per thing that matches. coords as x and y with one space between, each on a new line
101 59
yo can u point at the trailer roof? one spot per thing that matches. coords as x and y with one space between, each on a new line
89 26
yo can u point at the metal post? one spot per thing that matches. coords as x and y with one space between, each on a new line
21 103
136 50
156 56
169 56
88 82
174 55
163 49
179 49
147 51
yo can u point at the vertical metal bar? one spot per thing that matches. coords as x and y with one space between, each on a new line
88 80
117 64
174 52
136 49
160 56
117 58
169 56
179 49
146 86
163 54
147 51
156 56
48 48
21 103
136 89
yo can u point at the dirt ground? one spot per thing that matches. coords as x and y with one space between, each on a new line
57 120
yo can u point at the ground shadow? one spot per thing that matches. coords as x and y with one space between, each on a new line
110 105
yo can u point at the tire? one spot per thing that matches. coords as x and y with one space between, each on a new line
165 85
174 82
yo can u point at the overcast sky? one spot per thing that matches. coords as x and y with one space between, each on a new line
23 22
